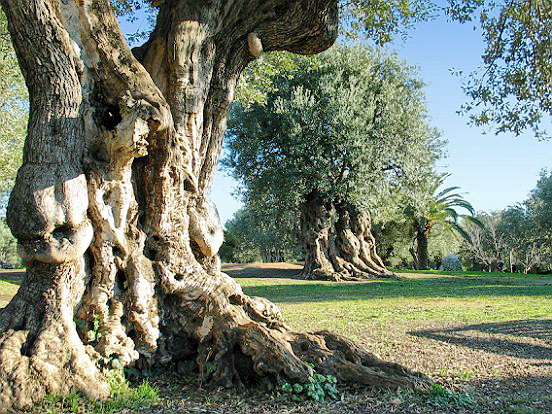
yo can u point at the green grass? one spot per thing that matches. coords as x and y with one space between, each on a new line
7 290
429 296
467 297
123 397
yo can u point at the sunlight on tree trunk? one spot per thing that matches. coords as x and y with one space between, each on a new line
338 242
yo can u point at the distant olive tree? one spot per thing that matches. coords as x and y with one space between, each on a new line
8 246
331 142
250 237
13 112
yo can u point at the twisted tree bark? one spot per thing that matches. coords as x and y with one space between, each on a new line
338 242
111 207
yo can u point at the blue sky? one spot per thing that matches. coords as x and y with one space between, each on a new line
493 171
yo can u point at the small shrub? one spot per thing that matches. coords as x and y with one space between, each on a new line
441 396
451 263
318 388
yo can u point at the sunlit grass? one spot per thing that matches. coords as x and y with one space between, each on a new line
475 297
7 290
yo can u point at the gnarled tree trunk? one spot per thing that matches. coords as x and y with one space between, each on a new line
420 254
111 207
338 242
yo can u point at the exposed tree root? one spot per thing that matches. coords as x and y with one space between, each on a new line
242 339
40 350
254 351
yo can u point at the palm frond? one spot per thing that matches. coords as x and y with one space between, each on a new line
460 202
452 213
445 191
460 230
474 220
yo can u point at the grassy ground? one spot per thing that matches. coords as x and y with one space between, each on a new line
487 337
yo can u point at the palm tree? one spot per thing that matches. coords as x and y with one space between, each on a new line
437 208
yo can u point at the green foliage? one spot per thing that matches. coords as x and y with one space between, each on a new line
240 242
94 333
517 238
128 10
437 396
68 404
347 124
8 246
442 396
382 20
250 237
13 111
123 397
511 91
394 233
318 389
539 205
428 207
257 80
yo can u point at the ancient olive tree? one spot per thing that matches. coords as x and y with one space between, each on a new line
332 139
111 208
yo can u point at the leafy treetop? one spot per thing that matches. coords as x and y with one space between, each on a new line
348 124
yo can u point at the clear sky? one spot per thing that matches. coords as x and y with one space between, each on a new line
493 171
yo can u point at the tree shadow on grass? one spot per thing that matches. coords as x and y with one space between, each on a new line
13 276
263 270
517 395
515 338
388 289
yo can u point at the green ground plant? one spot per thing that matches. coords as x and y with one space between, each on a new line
319 388
124 396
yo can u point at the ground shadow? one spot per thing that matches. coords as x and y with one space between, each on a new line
519 395
490 337
13 276
263 271
388 289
